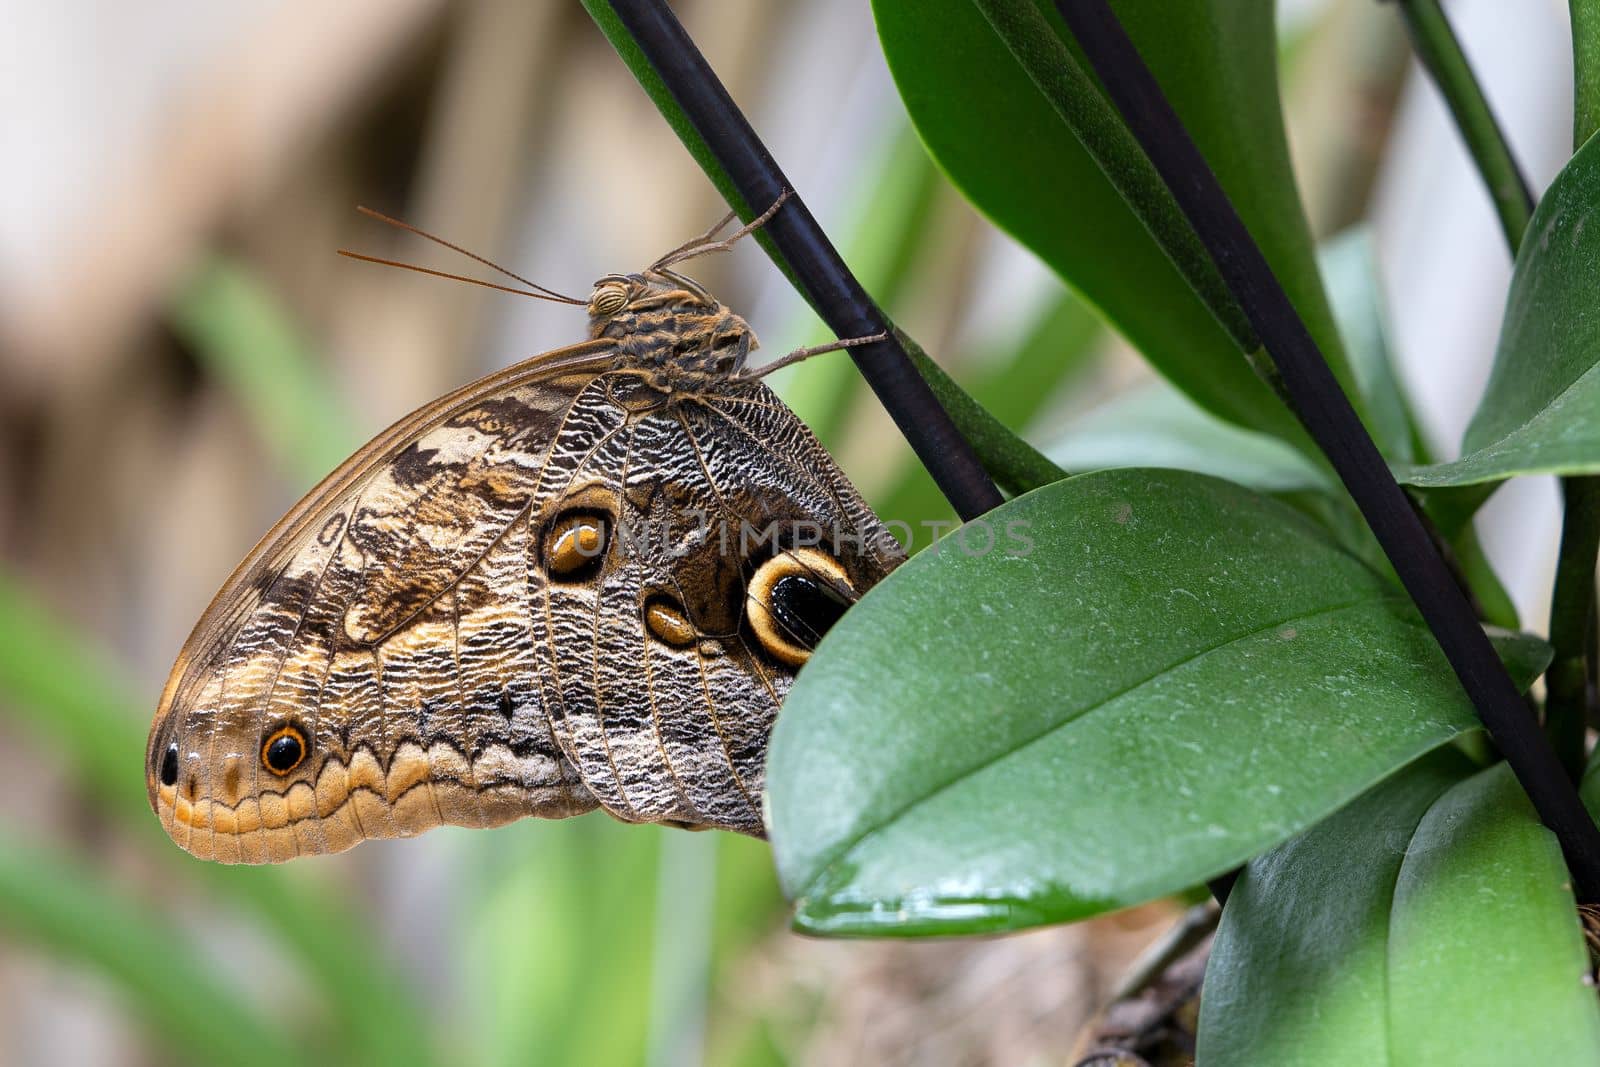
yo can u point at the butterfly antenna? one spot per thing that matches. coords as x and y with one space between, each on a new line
539 291
707 243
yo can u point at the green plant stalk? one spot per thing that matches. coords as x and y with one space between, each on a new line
1571 611
1441 53
1585 69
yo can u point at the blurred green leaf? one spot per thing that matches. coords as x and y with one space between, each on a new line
890 229
1350 271
749 908
66 693
1178 674
1157 426
237 329
1538 414
557 950
1428 922
185 1006
1013 387
1004 144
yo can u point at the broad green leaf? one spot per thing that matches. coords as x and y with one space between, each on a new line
48 903
1540 413
1157 426
1150 677
1005 145
1428 922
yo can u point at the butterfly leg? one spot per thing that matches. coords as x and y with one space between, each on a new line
806 353
708 242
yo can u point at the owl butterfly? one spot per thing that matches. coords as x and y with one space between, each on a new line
585 581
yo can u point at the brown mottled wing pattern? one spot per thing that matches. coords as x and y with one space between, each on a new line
404 621
389 618
664 733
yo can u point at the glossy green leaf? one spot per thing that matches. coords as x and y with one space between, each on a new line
1150 677
1540 413
1585 69
1428 922
1005 145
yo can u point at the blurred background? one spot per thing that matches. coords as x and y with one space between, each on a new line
182 354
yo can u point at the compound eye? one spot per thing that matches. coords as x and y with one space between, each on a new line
796 597
608 299
283 750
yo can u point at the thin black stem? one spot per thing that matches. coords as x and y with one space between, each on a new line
1333 424
1440 51
827 283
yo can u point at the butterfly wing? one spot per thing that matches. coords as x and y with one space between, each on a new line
668 722
382 629
421 641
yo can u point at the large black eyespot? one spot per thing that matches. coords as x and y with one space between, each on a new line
283 750
575 544
169 765
796 597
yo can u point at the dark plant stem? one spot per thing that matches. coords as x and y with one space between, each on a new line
817 267
1440 52
1332 422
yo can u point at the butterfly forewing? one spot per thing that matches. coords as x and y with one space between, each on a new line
530 597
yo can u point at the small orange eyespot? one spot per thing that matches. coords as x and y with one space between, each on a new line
665 619
283 750
574 545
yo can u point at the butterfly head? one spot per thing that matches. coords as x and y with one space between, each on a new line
669 325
